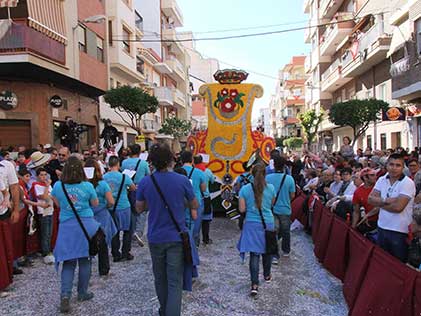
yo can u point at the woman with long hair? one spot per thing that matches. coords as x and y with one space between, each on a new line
72 246
102 215
254 198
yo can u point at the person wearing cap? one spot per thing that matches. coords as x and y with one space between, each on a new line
37 160
394 195
368 221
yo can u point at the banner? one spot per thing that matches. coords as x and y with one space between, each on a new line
394 114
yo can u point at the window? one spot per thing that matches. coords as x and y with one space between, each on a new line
140 65
126 40
418 30
368 94
110 32
118 84
369 141
100 49
111 83
383 143
382 92
81 34
138 21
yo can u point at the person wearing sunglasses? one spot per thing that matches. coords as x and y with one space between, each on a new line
394 195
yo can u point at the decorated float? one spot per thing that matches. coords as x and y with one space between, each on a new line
229 140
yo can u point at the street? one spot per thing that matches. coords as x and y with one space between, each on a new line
300 285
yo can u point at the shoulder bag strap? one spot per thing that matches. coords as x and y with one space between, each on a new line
191 172
75 212
135 168
167 206
279 190
119 192
260 210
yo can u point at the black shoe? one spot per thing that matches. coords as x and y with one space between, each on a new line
117 259
128 257
208 242
65 305
26 263
17 271
254 290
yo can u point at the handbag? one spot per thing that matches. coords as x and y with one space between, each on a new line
185 238
270 237
96 240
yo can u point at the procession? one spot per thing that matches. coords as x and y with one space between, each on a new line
141 173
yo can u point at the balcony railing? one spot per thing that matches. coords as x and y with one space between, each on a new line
332 69
21 38
180 96
151 125
164 95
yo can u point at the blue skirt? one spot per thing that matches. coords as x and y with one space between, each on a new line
198 222
252 238
103 216
71 242
207 217
190 271
122 217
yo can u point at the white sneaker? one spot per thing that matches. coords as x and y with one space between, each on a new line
285 254
139 240
275 261
49 259
4 294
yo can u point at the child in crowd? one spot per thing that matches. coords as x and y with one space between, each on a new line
42 191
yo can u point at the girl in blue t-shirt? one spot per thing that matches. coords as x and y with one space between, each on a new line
252 198
72 246
102 215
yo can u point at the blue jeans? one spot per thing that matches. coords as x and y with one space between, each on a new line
68 273
394 243
138 223
198 224
283 226
168 267
254 267
46 228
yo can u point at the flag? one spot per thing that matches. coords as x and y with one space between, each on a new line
8 3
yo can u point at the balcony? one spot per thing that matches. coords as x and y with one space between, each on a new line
171 9
291 120
317 59
307 64
306 6
179 98
171 35
164 95
295 102
372 49
162 68
150 126
328 8
335 34
177 68
23 39
309 31
332 78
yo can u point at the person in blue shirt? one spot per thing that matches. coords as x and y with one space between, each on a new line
102 215
164 238
198 180
72 247
121 210
142 169
244 178
282 206
256 196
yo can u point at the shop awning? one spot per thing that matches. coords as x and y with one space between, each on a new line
8 3
401 34
47 16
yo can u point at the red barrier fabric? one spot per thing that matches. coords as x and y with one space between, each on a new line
336 257
386 289
323 233
6 254
417 297
54 231
360 250
19 234
317 214
297 209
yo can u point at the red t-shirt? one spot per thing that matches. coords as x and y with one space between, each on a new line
361 198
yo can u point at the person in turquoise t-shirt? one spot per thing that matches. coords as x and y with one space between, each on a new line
122 213
198 180
282 207
138 221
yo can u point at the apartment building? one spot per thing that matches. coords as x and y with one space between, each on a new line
405 56
348 60
264 120
52 65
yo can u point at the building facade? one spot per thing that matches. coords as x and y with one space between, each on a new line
48 71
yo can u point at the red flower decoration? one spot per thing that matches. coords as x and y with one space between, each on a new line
228 105
224 91
233 93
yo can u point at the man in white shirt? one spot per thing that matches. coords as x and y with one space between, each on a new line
10 179
394 194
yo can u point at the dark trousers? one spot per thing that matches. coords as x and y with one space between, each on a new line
103 258
343 208
127 244
394 243
254 267
205 230
283 225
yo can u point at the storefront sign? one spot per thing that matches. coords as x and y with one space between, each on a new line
56 101
8 100
394 114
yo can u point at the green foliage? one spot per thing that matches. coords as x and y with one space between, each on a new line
310 121
134 102
280 141
176 127
357 114
293 142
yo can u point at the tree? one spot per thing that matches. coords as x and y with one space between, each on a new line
176 127
134 102
293 142
310 121
357 114
280 141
